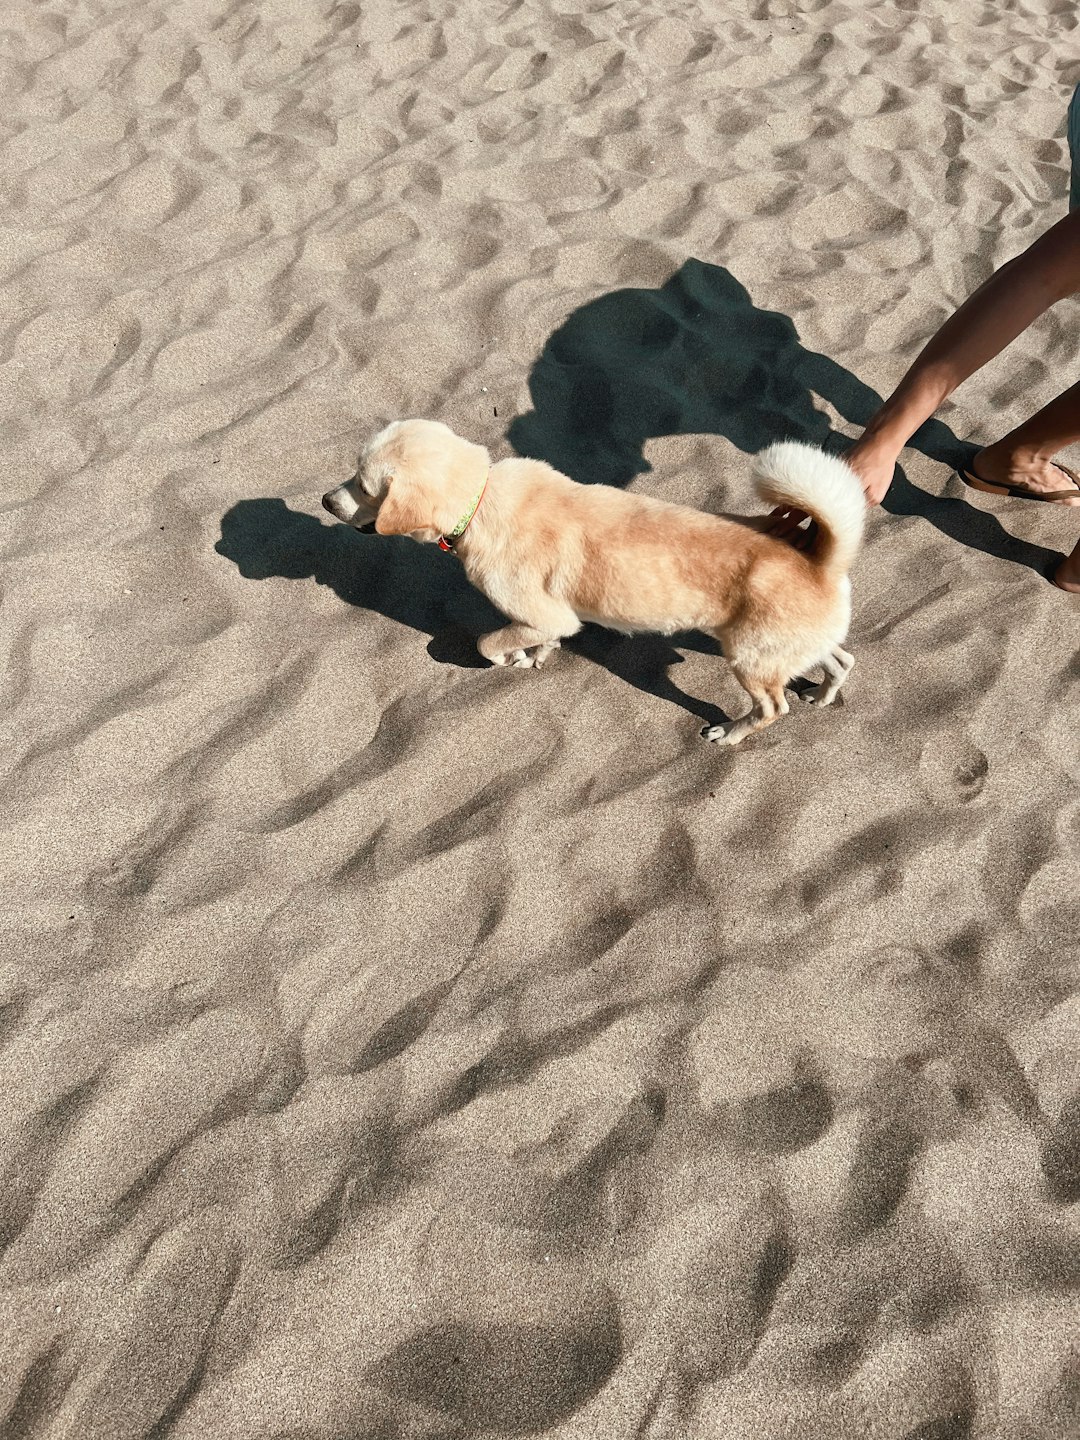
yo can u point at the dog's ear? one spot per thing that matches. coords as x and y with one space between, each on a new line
403 510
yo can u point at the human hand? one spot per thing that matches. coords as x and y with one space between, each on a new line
785 523
872 461
875 465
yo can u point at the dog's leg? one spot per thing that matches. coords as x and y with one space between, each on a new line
508 646
837 668
770 703
550 621
542 652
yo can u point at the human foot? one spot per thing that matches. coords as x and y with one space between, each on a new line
1002 471
1067 575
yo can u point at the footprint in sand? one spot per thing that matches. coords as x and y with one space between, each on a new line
953 769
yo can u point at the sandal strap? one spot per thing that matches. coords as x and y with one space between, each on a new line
1023 492
1073 476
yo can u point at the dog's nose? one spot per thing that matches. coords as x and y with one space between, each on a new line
340 503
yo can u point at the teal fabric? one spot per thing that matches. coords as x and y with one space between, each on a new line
1074 149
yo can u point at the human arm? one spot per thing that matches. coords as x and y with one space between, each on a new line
1000 310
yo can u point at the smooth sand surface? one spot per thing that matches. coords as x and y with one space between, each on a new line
394 1046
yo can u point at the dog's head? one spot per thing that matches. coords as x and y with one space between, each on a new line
415 478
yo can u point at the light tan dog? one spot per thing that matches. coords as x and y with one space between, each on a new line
552 554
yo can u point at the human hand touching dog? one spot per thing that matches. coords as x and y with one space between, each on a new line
872 462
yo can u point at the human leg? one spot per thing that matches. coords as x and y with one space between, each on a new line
1067 574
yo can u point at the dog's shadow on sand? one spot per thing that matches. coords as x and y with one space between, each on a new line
419 586
416 585
694 356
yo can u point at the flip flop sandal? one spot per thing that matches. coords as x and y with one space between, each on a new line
1021 492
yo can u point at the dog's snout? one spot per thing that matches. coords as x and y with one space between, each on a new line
340 503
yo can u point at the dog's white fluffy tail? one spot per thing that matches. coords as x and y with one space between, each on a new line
826 487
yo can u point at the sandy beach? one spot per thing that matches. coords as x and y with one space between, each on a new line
395 1046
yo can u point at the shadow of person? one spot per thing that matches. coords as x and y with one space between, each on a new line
697 356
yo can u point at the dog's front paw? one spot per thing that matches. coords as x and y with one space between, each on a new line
522 659
721 735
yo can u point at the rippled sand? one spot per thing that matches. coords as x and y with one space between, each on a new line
392 1046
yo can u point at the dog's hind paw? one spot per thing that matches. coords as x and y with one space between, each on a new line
823 694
